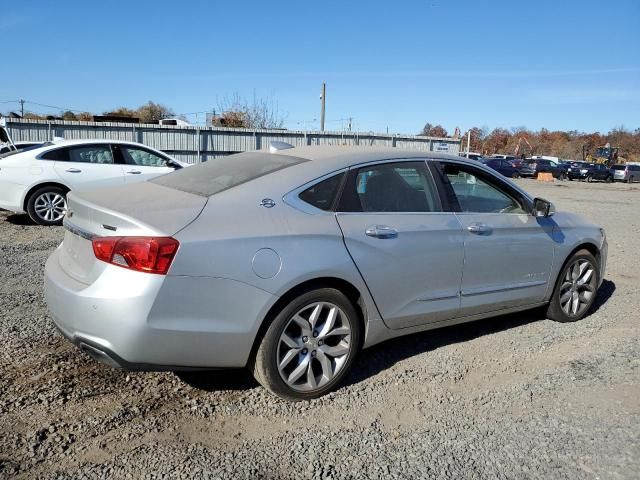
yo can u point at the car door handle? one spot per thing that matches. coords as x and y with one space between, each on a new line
479 228
73 170
381 231
134 172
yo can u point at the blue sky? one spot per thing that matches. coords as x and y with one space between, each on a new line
389 65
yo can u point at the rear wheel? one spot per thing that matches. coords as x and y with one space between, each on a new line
609 179
309 347
589 178
515 175
575 289
47 205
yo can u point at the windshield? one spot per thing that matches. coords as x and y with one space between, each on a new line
221 174
22 149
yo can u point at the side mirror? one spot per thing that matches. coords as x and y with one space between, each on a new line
543 208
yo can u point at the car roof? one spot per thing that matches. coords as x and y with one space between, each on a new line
339 157
85 141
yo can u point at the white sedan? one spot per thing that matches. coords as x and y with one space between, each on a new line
37 180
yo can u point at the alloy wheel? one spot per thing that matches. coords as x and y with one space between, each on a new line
50 206
314 346
578 287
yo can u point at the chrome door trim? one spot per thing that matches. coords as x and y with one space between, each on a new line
504 288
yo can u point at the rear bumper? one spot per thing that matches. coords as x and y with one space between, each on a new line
11 195
141 321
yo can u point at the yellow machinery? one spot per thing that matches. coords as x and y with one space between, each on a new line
606 154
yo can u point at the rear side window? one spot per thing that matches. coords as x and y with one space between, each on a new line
59 155
618 167
100 154
323 194
224 173
390 187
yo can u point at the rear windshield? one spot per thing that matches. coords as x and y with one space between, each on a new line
618 167
222 174
8 153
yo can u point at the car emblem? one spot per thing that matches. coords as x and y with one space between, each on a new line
268 203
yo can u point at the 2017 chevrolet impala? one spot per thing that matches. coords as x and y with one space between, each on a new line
291 261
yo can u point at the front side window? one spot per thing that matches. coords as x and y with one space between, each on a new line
142 157
390 187
476 193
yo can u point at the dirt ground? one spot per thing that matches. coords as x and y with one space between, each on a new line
517 396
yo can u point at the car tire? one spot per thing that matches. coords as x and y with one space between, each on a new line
589 179
294 342
47 205
609 179
515 175
575 289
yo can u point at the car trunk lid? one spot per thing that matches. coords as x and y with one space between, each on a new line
143 209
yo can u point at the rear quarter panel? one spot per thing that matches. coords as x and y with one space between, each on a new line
271 249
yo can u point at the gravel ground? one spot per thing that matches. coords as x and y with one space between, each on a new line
517 396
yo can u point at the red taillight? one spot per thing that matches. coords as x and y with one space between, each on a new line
144 254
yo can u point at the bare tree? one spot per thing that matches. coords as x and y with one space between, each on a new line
237 112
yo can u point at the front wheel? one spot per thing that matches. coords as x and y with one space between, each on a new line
609 179
309 347
589 178
575 289
47 206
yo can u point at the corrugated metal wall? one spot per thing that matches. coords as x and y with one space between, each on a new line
195 144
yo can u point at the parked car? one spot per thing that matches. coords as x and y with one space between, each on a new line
289 263
37 180
503 157
590 172
504 167
526 170
21 146
626 173
471 155
540 165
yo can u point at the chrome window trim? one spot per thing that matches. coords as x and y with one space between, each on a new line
293 200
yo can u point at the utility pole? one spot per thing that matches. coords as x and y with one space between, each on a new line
350 120
323 95
468 142
22 108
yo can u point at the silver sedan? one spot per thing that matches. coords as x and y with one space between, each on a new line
290 261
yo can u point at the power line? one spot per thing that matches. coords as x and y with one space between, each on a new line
54 106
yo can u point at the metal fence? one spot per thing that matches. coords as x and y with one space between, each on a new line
195 144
